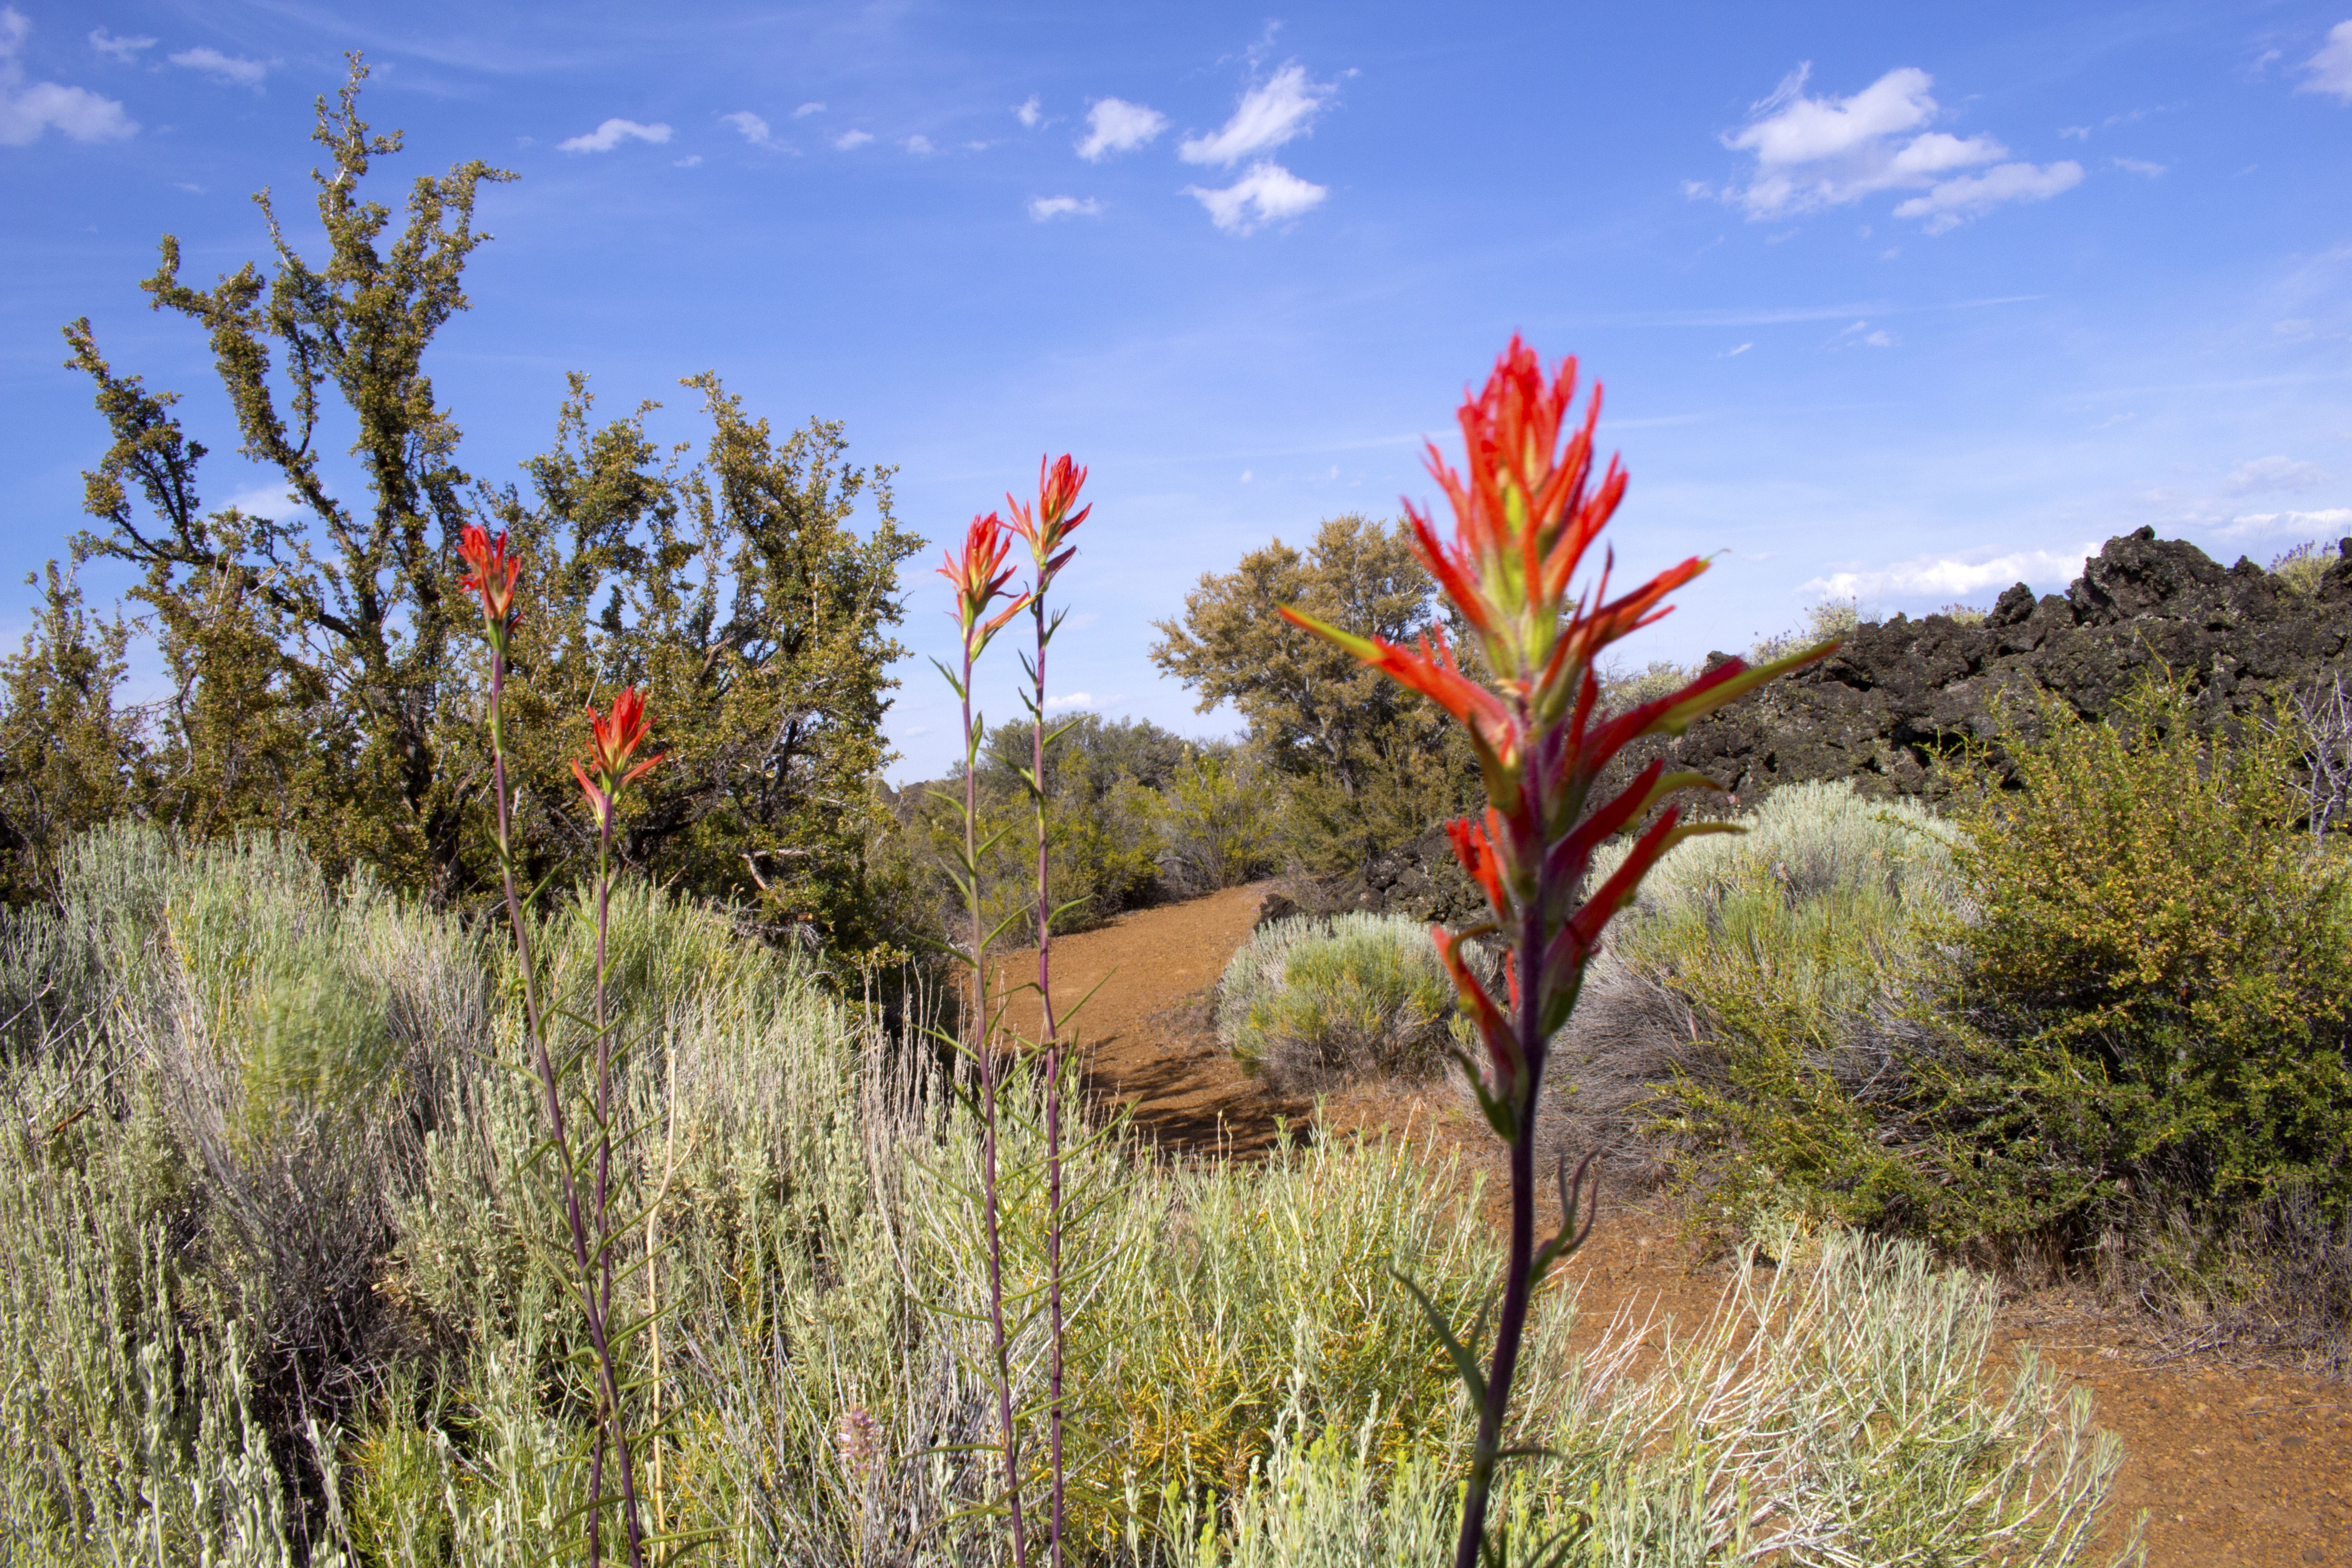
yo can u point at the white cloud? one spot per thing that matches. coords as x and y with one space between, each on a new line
1075 700
1952 576
272 501
1030 112
1735 353
1268 116
1115 125
1268 194
919 144
751 128
806 110
2079 132
1815 152
26 112
2274 473
612 133
2326 520
2140 166
1954 201
123 49
850 140
688 162
2330 70
1882 339
1047 208
233 69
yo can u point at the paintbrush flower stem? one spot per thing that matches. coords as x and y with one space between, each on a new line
1047 529
1525 510
979 574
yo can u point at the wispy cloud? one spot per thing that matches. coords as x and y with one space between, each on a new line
1115 125
1270 115
2139 166
806 110
749 126
612 133
2330 70
1816 152
2327 519
2275 473
1735 353
1951 576
1860 333
919 144
123 49
1953 202
26 112
850 140
1268 192
1047 208
1030 111
233 70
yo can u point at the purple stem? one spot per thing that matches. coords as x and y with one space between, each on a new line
1053 1079
988 1125
1518 1282
549 1084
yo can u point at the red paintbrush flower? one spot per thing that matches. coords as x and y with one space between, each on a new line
613 740
490 576
1527 510
979 574
1053 521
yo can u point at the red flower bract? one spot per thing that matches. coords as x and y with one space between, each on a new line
1527 510
979 574
613 740
491 575
1058 483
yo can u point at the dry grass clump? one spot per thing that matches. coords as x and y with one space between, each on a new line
1315 1001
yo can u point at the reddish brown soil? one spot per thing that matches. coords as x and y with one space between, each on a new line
2235 1467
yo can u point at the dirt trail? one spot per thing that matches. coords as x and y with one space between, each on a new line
2236 1468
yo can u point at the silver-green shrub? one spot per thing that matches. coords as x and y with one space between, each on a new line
1315 1001
261 1058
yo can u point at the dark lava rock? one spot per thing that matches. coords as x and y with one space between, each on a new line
1902 694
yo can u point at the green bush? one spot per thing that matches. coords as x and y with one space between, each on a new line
1312 1002
1216 822
2156 990
1794 946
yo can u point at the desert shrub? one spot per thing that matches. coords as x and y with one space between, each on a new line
2300 567
1624 688
807 1247
1765 981
1216 822
1104 780
2156 980
1848 1386
1314 1001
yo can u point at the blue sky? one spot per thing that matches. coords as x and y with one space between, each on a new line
1899 301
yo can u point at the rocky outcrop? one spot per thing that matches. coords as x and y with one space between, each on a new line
1901 693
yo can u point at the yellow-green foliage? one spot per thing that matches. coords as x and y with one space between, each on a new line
2158 980
1784 940
1215 824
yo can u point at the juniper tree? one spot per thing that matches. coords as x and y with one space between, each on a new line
316 686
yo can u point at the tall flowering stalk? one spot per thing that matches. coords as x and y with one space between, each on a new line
1525 513
979 574
491 575
1047 531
